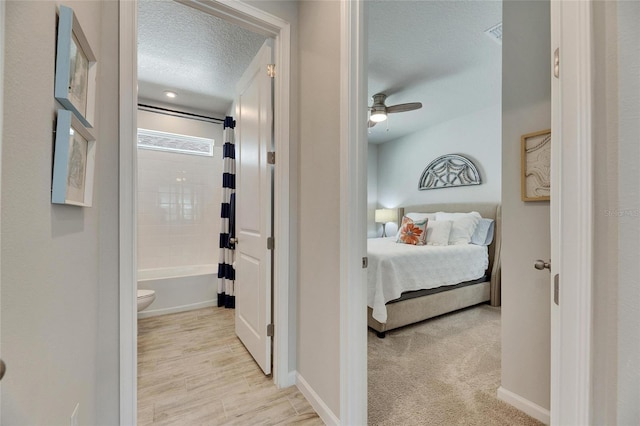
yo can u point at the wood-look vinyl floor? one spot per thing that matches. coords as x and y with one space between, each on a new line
193 370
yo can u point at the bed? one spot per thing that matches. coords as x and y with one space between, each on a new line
475 279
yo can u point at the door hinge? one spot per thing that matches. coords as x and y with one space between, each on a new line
556 289
365 262
271 157
269 330
556 63
270 243
271 70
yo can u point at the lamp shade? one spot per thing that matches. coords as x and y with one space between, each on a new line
386 215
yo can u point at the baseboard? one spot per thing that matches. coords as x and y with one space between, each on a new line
156 312
327 416
524 405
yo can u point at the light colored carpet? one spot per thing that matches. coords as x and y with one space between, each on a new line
443 371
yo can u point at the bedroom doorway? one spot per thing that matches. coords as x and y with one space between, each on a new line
452 47
393 174
537 109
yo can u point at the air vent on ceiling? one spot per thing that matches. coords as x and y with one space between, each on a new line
495 33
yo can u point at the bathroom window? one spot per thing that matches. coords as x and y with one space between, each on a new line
172 142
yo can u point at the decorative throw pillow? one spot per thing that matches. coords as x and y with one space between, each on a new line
418 217
463 225
438 232
413 232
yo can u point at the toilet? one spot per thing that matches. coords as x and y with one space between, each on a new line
145 298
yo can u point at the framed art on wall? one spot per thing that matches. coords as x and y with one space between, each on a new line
75 82
73 162
535 153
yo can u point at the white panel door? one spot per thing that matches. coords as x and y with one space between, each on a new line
254 140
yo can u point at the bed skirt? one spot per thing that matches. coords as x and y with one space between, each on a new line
421 308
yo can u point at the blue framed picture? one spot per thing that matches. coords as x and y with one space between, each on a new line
73 162
75 82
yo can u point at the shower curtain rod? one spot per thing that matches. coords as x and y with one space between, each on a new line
181 114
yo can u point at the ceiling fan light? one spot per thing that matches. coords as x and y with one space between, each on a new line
378 115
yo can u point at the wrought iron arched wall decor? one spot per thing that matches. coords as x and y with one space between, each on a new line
449 170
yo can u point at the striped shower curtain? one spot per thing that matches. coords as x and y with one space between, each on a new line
226 273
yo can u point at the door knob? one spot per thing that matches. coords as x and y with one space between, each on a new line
233 240
541 264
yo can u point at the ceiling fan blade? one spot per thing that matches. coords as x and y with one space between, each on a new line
371 123
404 107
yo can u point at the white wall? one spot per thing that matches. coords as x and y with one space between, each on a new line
182 126
526 95
629 206
59 263
402 161
179 197
178 209
319 198
372 191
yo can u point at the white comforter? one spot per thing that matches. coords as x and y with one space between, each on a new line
395 268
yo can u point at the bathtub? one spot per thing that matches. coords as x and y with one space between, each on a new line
179 288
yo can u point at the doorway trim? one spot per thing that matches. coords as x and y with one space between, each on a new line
2 44
264 23
353 207
572 213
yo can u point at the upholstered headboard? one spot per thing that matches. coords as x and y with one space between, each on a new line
486 210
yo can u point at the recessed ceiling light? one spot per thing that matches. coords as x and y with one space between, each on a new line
170 94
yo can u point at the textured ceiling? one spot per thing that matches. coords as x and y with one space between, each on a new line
434 52
196 55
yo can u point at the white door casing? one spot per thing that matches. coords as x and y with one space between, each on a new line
353 208
2 27
254 118
571 212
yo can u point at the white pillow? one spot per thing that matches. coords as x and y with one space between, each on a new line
483 235
438 232
463 226
421 216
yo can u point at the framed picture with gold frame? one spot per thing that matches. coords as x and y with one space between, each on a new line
535 153
75 82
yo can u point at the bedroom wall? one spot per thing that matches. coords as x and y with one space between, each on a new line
373 229
526 96
59 263
402 161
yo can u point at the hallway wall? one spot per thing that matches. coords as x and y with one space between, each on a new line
59 263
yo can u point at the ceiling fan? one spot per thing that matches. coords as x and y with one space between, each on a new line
378 111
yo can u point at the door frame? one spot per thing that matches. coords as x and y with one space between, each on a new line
2 44
353 207
572 31
264 23
572 214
